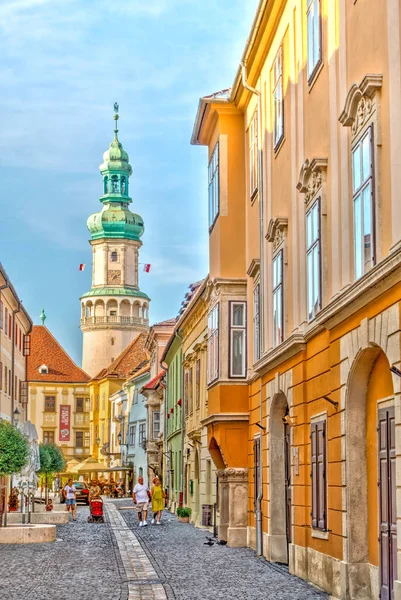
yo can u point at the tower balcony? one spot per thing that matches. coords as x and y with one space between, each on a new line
115 320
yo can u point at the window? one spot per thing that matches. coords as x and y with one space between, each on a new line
253 155
10 326
256 322
362 191
20 340
190 391
237 339
5 380
50 404
278 299
135 396
79 439
23 392
114 184
27 345
87 439
132 434
142 433
112 341
314 37
186 391
278 101
1 315
15 387
48 437
9 382
16 335
318 475
123 185
113 313
140 471
156 425
106 185
313 259
197 382
213 344
43 369
1 375
213 176
6 321
79 405
114 256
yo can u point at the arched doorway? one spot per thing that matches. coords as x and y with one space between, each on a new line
370 477
279 497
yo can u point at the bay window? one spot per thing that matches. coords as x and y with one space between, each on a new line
213 344
314 37
213 178
278 334
278 101
237 339
253 155
313 261
256 322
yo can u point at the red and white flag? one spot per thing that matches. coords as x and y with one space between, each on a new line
146 268
82 267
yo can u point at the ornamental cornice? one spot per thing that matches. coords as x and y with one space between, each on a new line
277 232
254 268
311 177
360 103
289 348
219 287
225 418
234 475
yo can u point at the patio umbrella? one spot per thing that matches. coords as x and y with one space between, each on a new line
70 466
90 465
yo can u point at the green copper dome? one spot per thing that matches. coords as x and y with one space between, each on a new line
115 220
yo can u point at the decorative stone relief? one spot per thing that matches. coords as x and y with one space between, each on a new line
232 474
277 232
361 102
311 177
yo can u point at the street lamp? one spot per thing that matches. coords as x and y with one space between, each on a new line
16 415
119 437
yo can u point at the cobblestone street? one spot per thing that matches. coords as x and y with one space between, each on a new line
116 562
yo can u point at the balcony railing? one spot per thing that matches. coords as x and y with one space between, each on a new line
81 419
113 319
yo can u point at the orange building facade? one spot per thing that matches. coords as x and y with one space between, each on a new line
304 414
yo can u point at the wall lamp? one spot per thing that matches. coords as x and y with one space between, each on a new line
395 371
333 402
260 426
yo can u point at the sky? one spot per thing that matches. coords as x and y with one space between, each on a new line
64 63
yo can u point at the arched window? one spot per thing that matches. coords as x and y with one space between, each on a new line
114 256
112 341
88 311
123 185
106 185
114 184
140 472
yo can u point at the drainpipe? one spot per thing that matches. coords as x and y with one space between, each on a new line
183 415
259 541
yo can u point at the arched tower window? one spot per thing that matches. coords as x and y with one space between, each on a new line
123 185
106 185
114 256
114 184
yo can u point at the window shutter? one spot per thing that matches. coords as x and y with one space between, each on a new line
314 478
27 345
23 386
321 465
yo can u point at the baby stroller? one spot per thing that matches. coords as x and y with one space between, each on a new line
96 511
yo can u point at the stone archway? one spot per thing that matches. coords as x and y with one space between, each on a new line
277 531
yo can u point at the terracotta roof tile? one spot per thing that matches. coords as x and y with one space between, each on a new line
153 383
130 359
46 350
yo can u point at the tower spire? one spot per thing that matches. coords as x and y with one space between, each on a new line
116 117
42 316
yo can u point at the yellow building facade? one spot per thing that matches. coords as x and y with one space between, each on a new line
305 226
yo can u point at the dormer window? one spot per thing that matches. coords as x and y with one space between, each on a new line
43 369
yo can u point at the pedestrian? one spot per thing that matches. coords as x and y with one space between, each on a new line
157 501
95 491
70 495
49 505
141 497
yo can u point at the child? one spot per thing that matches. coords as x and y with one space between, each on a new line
49 506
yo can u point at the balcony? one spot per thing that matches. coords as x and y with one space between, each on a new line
81 419
116 320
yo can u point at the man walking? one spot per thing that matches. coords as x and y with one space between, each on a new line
140 496
70 495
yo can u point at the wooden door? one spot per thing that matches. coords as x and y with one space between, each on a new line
287 454
387 504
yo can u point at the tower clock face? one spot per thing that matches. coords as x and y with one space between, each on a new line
114 277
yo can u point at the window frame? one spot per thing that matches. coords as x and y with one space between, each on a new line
233 328
155 421
318 475
46 408
78 410
132 435
1 315
213 344
276 289
316 243
253 135
277 84
319 61
197 382
214 186
46 434
358 193
142 433
79 433
256 322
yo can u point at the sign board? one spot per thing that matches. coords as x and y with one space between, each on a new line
65 423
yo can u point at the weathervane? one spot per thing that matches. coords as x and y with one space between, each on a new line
116 117
116 107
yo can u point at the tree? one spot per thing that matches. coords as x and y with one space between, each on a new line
14 449
51 461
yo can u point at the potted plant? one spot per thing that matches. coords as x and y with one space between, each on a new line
183 513
13 502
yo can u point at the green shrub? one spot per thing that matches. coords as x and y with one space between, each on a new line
184 511
14 449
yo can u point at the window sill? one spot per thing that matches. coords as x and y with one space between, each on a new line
278 146
315 74
320 534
